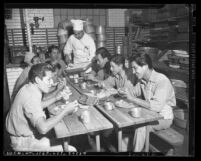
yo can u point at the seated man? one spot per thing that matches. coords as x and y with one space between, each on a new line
120 76
56 58
158 95
103 62
26 119
30 59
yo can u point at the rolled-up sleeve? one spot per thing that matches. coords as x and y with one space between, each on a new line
158 100
68 47
33 111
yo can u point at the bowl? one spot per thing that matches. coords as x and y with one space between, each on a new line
108 105
135 112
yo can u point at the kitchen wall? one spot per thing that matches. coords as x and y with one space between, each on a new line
15 22
105 17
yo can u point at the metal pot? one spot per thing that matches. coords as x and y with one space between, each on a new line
89 21
64 24
89 28
101 37
100 30
101 44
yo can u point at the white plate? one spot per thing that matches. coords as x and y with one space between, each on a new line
124 104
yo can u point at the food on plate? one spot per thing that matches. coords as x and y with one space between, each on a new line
83 99
123 104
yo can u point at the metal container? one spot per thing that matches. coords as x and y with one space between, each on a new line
83 85
89 21
62 36
76 80
100 30
135 112
101 37
85 117
108 105
89 28
100 44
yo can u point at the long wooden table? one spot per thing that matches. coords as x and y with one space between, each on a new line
121 118
71 125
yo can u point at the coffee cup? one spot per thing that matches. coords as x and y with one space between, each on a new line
83 85
108 105
135 112
85 116
75 80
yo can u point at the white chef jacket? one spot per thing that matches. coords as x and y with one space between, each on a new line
83 49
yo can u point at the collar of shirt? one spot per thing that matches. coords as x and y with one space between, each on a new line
151 79
121 76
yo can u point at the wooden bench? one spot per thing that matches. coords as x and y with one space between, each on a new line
165 141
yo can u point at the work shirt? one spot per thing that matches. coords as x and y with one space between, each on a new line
104 73
159 92
25 111
22 80
83 49
121 81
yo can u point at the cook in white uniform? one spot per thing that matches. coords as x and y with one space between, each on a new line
80 43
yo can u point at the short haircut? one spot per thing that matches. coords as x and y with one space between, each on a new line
38 70
118 59
103 52
50 48
141 59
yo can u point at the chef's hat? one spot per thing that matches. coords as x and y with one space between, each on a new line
28 56
77 25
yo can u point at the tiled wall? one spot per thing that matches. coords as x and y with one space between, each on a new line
15 22
99 16
105 17
116 17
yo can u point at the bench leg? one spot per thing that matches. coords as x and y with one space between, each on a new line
98 143
119 140
147 138
66 142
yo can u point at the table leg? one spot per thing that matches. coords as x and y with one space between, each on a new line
119 140
66 141
147 139
98 143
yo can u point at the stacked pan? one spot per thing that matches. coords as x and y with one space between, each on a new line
90 29
101 36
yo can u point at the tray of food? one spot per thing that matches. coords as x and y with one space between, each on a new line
87 100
